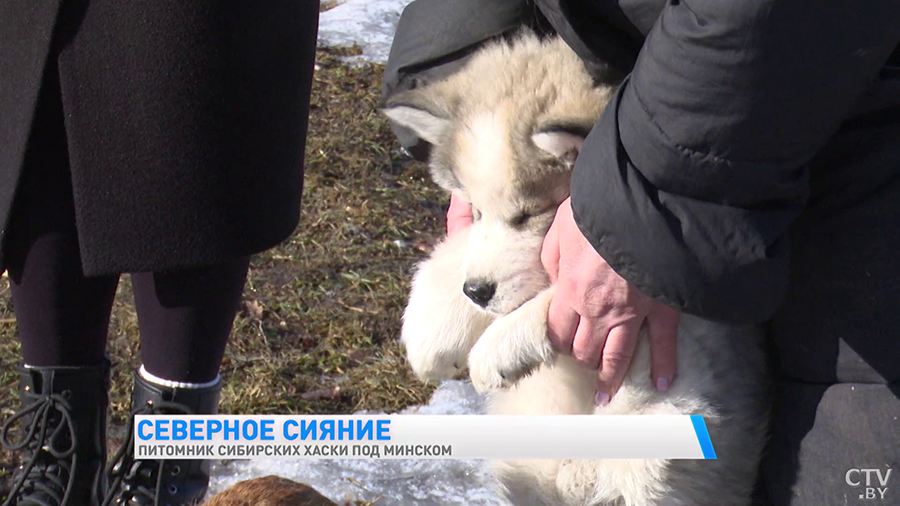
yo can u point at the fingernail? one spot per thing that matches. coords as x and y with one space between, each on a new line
662 383
601 398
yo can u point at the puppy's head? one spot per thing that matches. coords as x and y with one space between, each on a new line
505 132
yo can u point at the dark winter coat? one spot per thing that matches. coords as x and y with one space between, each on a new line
687 184
185 121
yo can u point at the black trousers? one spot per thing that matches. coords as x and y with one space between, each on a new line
185 316
835 340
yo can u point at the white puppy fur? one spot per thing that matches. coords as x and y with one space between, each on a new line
440 325
505 130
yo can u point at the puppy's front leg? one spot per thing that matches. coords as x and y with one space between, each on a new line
513 346
440 325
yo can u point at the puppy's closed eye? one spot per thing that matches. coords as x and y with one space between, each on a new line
526 216
521 219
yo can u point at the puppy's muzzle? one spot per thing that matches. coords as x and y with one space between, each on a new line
480 292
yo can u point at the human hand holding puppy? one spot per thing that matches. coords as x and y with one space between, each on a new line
595 314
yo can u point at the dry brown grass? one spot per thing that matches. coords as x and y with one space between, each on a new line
320 318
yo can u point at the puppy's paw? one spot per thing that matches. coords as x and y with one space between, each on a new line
437 346
486 370
438 332
513 346
440 325
505 354
430 362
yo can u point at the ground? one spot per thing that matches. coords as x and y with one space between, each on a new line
318 326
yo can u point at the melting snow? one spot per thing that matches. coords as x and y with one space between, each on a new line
369 24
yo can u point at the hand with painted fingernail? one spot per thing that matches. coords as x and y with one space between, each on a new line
596 315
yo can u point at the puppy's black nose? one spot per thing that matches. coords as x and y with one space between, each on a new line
480 292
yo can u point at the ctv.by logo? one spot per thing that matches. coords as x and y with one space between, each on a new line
873 481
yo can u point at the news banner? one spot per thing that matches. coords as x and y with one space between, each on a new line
422 437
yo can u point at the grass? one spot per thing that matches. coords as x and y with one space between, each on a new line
320 316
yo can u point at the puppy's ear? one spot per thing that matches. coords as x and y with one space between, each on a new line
561 141
422 110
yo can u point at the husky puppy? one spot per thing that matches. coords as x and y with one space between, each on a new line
505 131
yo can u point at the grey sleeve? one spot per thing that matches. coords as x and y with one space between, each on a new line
690 179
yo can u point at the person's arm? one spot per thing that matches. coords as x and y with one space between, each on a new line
687 184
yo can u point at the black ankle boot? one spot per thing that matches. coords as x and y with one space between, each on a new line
161 482
62 429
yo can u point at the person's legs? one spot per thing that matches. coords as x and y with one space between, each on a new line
185 319
62 321
835 341
62 315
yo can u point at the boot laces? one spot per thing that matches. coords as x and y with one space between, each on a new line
136 482
46 476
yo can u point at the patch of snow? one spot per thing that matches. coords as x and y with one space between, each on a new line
369 24
397 482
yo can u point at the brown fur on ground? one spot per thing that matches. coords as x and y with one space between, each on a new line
269 491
